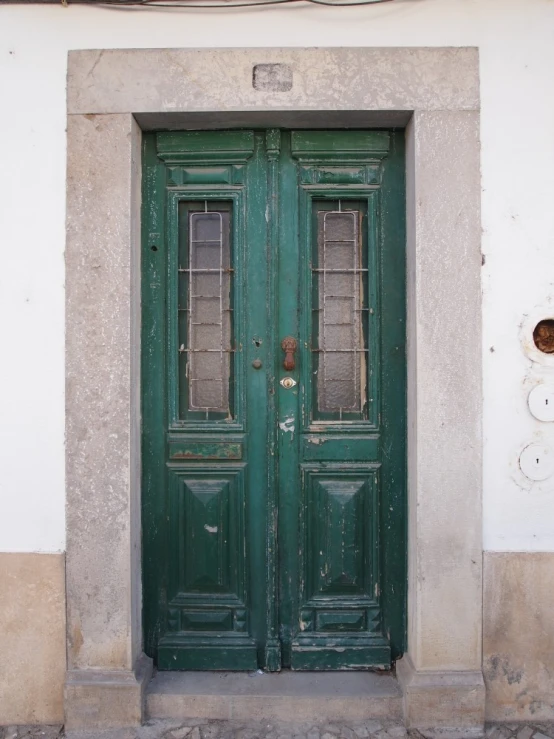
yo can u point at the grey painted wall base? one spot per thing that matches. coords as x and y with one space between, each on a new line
442 699
106 699
111 94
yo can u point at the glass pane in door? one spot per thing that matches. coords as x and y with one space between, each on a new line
205 326
340 300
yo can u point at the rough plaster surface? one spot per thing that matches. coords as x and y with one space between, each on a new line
102 541
170 80
444 391
32 638
518 639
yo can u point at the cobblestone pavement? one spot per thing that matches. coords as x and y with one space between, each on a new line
202 729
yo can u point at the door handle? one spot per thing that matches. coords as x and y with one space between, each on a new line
288 345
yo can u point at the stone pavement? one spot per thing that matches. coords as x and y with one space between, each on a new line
204 729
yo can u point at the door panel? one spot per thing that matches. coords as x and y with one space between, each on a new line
203 566
336 618
274 525
207 544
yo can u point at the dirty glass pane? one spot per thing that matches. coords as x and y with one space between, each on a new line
340 296
209 317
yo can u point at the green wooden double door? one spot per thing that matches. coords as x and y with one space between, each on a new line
273 399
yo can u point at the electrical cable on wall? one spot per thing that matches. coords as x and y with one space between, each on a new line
135 4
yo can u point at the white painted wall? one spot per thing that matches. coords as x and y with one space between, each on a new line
516 42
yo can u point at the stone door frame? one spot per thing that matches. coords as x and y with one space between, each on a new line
113 95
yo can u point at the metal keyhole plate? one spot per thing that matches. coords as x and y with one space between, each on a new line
288 382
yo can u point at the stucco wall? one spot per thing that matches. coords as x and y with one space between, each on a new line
516 43
516 47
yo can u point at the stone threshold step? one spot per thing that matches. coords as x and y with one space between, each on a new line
282 696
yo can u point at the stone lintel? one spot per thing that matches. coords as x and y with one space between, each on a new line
174 80
106 699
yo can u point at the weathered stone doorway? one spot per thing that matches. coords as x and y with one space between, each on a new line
113 96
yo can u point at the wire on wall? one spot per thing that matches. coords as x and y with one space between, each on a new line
135 4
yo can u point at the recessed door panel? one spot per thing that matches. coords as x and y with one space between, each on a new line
208 512
338 535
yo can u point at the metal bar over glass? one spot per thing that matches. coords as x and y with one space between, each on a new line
340 297
208 350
